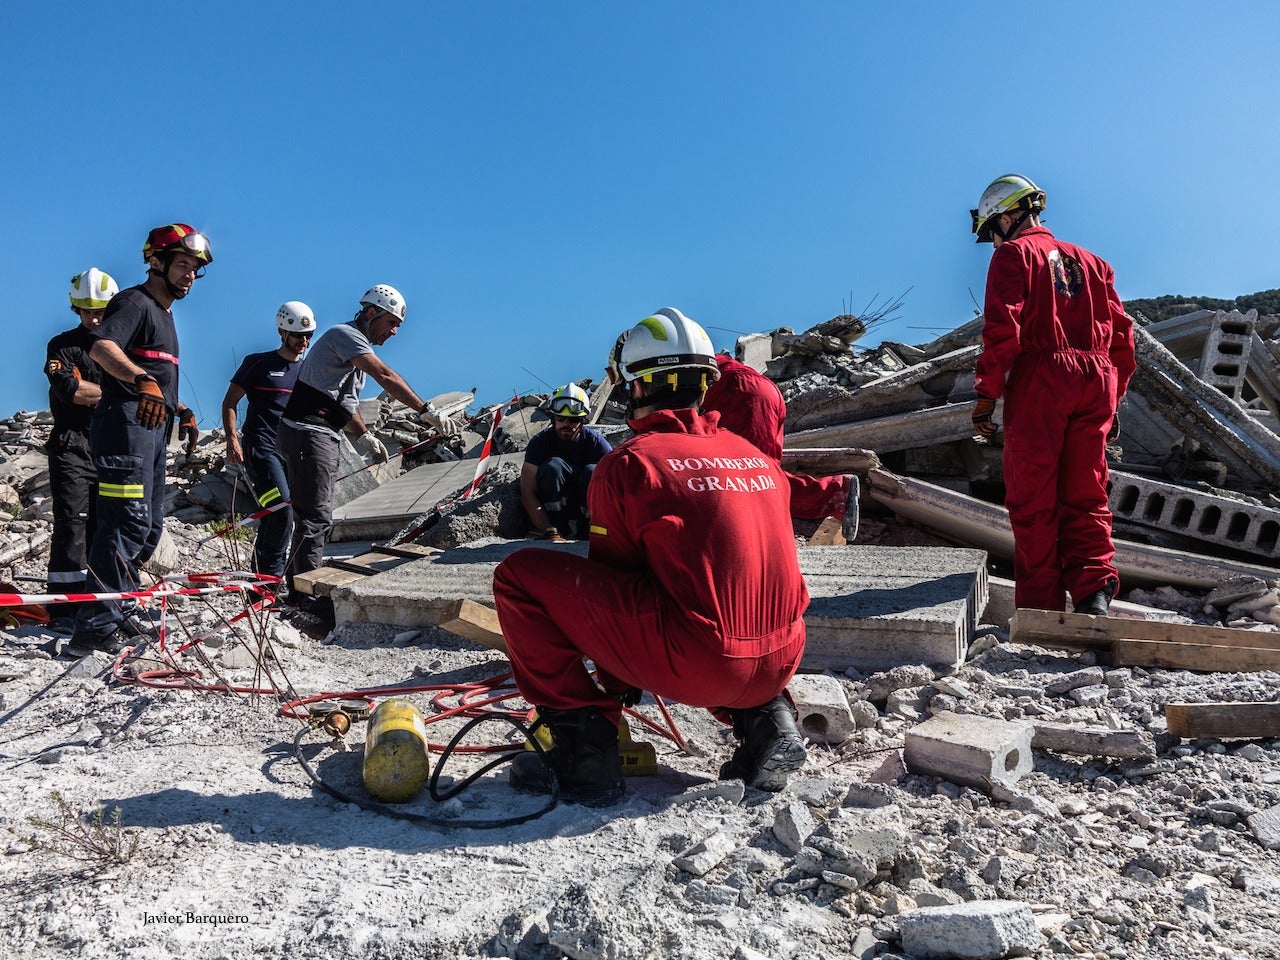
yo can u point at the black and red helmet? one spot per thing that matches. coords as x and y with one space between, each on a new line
177 238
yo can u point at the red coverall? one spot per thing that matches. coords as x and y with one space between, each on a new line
691 590
751 405
1056 342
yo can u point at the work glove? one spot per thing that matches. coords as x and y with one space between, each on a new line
152 412
187 429
552 534
432 417
373 446
983 424
1114 433
630 696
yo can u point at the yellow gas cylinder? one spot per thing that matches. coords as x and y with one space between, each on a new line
395 751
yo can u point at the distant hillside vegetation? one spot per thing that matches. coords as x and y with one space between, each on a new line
1172 305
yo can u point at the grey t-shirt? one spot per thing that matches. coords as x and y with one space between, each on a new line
327 365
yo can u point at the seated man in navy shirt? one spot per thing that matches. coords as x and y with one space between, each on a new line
558 464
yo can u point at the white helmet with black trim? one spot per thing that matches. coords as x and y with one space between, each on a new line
668 349
1008 194
294 316
385 297
92 290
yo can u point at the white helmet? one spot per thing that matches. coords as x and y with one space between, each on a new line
1007 194
669 349
385 297
295 317
569 401
92 290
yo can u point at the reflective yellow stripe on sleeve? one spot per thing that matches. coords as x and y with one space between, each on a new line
121 491
270 497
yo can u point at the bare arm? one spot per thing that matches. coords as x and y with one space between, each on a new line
108 355
87 394
229 401
389 380
529 497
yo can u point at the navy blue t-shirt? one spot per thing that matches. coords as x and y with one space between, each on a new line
267 380
145 332
589 448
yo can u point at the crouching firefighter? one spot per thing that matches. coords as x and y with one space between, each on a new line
691 588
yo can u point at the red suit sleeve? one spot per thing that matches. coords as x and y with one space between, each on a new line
1002 316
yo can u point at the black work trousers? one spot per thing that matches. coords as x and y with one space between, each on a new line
73 483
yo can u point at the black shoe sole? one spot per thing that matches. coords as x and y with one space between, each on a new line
785 758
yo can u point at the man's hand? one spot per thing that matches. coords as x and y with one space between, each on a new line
373 446
234 452
432 417
152 412
187 429
983 410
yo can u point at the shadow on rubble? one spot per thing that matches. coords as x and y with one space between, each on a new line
320 820
892 600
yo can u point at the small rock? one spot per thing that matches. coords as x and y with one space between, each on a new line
706 854
792 825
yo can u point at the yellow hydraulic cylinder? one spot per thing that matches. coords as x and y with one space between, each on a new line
395 751
636 759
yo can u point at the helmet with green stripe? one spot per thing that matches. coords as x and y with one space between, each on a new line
668 349
569 401
1012 193
92 290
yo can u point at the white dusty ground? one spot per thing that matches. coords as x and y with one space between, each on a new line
240 855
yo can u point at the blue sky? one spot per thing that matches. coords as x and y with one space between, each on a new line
536 177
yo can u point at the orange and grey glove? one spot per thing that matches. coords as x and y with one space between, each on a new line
551 533
983 424
187 429
152 412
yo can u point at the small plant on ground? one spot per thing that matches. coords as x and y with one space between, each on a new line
87 837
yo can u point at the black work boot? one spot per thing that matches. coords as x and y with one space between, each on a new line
585 759
771 748
1097 603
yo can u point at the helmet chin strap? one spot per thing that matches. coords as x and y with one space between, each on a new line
1013 229
175 292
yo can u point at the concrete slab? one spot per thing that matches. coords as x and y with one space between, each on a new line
385 510
871 608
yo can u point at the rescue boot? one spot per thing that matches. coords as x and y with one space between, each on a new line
771 748
584 758
1097 603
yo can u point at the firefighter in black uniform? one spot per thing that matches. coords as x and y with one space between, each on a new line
73 393
137 348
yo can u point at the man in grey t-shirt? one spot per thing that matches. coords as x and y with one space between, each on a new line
326 400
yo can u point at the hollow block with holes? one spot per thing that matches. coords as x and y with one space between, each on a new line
968 750
823 713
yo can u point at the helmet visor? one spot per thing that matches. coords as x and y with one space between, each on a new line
196 244
567 407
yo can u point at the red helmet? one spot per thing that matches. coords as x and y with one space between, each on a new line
177 238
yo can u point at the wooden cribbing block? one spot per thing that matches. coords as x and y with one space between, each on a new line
409 551
474 621
1082 631
321 582
828 534
1196 720
1205 657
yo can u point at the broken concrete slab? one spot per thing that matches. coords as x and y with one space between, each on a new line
982 930
970 750
900 431
385 509
871 608
986 525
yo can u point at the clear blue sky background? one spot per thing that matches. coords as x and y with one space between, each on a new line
537 176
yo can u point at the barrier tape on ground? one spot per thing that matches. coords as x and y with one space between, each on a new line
209 583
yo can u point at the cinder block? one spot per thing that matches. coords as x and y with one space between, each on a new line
754 349
1225 356
823 708
969 750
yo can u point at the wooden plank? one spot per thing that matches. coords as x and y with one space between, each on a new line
1195 720
320 582
829 534
410 551
1081 631
474 621
1205 657
366 564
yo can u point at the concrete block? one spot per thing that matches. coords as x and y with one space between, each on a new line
822 707
877 834
1230 521
969 750
755 350
982 930
1224 358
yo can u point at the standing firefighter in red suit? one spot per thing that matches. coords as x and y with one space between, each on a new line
691 590
1057 345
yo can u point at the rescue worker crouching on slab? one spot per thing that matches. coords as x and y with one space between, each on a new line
691 588
325 400
137 348
74 391
267 379
1057 345
558 464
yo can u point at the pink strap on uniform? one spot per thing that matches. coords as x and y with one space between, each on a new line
156 355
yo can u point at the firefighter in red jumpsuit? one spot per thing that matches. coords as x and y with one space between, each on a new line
691 589
1057 345
751 405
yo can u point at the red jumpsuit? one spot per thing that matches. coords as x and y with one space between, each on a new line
1056 342
692 589
751 405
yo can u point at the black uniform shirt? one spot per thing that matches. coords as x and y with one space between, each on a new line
67 354
145 332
